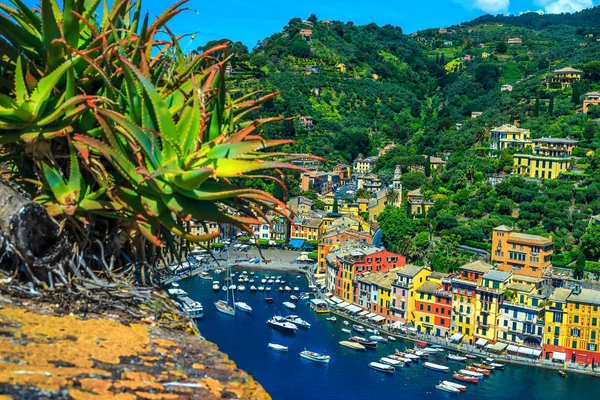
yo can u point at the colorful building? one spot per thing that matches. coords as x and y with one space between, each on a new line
509 137
334 238
300 205
344 171
404 295
377 203
369 182
564 77
464 298
591 99
524 254
306 228
364 165
418 205
490 290
433 307
374 291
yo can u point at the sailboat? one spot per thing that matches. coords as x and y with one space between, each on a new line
223 305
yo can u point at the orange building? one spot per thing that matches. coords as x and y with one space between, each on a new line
306 228
335 238
528 255
591 99
433 310
344 171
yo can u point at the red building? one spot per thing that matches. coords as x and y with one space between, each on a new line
433 305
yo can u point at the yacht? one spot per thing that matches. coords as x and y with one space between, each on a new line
224 307
191 307
241 288
296 320
279 324
268 288
216 286
358 328
296 289
261 288
318 357
289 305
277 347
280 288
240 305
381 367
293 298
263 281
288 289
392 362
253 288
232 287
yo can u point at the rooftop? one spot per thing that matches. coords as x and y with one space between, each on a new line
520 287
416 192
438 275
498 276
381 279
560 294
527 279
568 69
315 222
429 288
532 238
587 296
410 271
477 266
503 228
555 140
594 94
509 128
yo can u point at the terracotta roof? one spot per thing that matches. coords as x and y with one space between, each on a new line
429 287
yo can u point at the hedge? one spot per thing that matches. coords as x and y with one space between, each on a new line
482 246
564 259
592 266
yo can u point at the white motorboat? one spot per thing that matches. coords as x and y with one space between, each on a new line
378 338
205 275
251 272
392 362
253 288
240 280
471 373
216 286
293 298
224 307
296 320
268 289
391 338
436 367
491 362
296 289
224 288
279 324
346 323
304 297
358 328
263 281
455 357
240 305
261 288
282 281
241 288
270 281
399 358
288 289
177 292
280 288
346 330
290 305
232 287
352 345
251 281
381 367
446 388
371 331
332 319
277 281
175 284
192 308
458 386
318 357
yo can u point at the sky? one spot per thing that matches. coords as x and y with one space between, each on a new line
251 20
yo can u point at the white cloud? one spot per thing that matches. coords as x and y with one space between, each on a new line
492 6
563 6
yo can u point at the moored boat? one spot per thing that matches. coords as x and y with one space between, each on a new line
296 320
216 286
253 288
318 357
410 356
468 372
562 373
268 289
346 323
288 289
471 356
371 331
177 292
483 366
240 305
391 338
359 329
261 288
269 299
381 367
492 363
280 288
293 298
192 308
363 341
205 275
352 345
224 307
454 357
241 288
446 388
289 305
232 287
378 338
331 319
277 347
465 378
390 361
399 358
479 370
281 325
346 330
296 289
458 386
436 367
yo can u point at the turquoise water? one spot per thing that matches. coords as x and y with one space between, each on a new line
287 376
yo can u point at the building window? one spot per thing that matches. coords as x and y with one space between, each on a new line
574 344
576 319
575 332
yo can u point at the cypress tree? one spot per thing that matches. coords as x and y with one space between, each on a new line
579 266
442 60
536 108
336 207
575 94
428 167
551 106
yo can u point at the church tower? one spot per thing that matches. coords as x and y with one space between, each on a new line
397 185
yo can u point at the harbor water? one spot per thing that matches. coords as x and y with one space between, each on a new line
287 376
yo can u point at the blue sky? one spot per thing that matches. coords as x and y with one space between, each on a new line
249 21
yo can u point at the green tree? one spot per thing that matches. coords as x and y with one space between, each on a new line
536 108
336 206
551 106
501 48
590 242
506 161
428 167
312 18
299 48
579 266
397 229
413 180
575 95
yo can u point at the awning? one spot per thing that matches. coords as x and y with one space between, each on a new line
317 302
481 342
362 313
378 318
370 315
525 350
296 243
537 353
397 324
330 302
353 309
512 348
347 307
336 299
456 337
343 304
499 346
558 356
412 329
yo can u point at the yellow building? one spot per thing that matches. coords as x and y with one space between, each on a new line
375 291
410 278
341 67
198 228
351 222
591 99
564 77
464 299
329 199
582 326
418 205
509 137
529 255
377 204
548 159
364 165
490 289
485 54
555 315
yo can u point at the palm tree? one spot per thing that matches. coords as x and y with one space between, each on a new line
392 197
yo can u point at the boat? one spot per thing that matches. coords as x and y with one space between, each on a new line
296 320
432 350
378 338
269 299
253 288
281 325
436 367
205 275
346 323
251 281
483 366
293 298
479 370
446 388
270 281
240 305
263 281
246 279
224 307
399 358
471 356
418 353
175 284
277 281
363 341
465 378
381 367
491 363
268 289
232 287
454 357
216 286
392 362
331 319
261 288
241 288
359 329
311 355
296 289
352 345
410 356
251 272
304 297
192 308
177 292
346 330
313 288
421 344
458 386
277 347
224 288
562 373
280 288
471 373
391 338
288 289
371 331
282 282
289 305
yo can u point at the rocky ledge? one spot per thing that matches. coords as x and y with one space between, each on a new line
45 355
